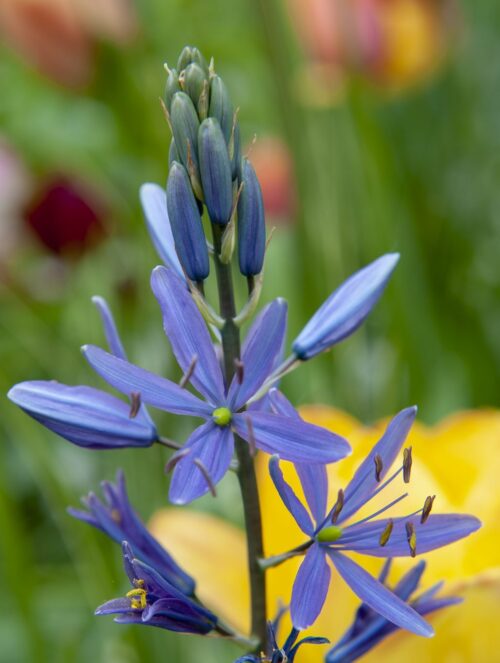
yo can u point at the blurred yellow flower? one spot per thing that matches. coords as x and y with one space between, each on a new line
457 460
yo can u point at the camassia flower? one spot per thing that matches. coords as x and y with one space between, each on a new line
153 601
333 533
85 416
369 628
120 522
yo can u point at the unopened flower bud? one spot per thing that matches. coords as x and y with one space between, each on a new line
185 125
251 223
186 225
221 107
172 86
173 154
215 170
190 54
193 80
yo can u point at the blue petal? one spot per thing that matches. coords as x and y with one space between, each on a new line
364 482
114 607
291 439
263 344
154 205
115 344
289 498
188 334
153 389
85 416
310 588
410 581
378 597
439 530
346 308
313 478
214 447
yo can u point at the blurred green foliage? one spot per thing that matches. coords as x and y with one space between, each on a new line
418 173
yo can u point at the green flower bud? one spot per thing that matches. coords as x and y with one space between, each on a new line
194 81
215 170
185 125
190 54
173 154
221 107
172 86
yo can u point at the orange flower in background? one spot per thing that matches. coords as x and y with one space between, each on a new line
58 36
457 460
396 43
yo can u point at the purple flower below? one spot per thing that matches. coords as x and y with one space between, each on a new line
330 535
285 654
369 628
153 601
116 518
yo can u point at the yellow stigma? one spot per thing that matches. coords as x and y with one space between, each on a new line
222 416
329 534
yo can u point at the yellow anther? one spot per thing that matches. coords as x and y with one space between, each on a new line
137 598
116 516
411 537
386 534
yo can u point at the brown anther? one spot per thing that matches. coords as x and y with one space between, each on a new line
189 373
338 506
135 404
429 501
176 458
251 436
116 516
407 462
379 466
240 370
206 475
386 534
411 537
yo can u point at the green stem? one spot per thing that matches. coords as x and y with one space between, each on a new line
246 469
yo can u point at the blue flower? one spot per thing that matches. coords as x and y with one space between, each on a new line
330 535
207 453
86 416
118 520
285 654
153 601
346 308
369 628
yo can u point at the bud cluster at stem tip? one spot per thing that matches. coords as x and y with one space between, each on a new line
207 170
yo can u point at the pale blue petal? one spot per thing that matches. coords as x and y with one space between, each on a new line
310 588
188 334
378 597
439 530
346 308
289 498
290 439
152 389
154 205
213 446
364 482
263 345
85 416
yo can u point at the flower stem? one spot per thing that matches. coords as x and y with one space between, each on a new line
246 470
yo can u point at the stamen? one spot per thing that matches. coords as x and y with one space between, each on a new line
199 464
379 466
382 510
189 373
337 507
116 516
386 534
135 404
429 501
251 436
137 598
240 370
411 537
176 458
407 462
